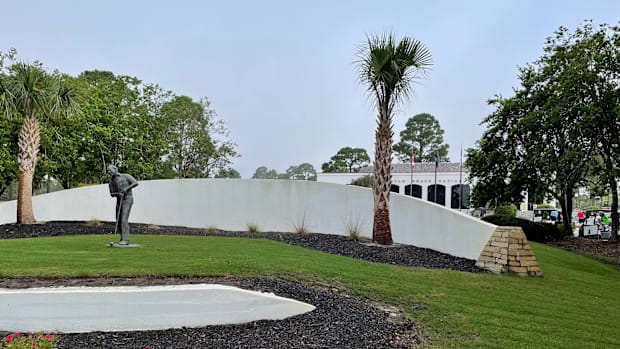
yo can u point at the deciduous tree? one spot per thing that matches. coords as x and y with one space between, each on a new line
424 136
228 173
347 159
263 172
199 144
304 171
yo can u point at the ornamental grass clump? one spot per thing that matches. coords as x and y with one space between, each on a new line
28 341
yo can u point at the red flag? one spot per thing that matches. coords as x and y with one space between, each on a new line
412 160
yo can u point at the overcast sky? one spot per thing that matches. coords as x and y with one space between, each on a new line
282 74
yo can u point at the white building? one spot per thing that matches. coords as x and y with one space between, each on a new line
452 180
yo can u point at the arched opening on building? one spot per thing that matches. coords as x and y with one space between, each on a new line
416 192
441 194
460 196
394 188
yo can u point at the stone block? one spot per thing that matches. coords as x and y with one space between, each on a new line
514 241
486 253
529 262
534 268
495 268
499 244
486 259
493 249
517 269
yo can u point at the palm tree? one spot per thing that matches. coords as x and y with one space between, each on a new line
28 90
388 68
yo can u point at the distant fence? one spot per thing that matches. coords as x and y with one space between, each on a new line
270 205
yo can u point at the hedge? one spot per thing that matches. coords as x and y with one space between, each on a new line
534 231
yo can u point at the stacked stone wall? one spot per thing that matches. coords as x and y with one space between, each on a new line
508 251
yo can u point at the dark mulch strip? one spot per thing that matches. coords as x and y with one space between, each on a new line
338 322
607 251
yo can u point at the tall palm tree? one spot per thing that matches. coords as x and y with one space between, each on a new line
28 90
388 68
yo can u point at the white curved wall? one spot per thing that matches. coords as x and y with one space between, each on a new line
272 205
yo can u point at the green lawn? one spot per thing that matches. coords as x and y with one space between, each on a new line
575 305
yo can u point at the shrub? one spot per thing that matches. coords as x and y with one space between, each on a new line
253 228
353 231
94 222
563 231
506 210
301 227
27 341
365 181
211 229
545 206
534 231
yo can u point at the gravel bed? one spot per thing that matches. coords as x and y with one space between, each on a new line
338 321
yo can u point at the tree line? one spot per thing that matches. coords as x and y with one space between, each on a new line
303 171
422 136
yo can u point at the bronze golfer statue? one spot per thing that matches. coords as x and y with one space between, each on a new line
120 187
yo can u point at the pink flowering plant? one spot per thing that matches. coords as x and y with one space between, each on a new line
28 341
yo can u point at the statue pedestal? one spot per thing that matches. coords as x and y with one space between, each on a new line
116 244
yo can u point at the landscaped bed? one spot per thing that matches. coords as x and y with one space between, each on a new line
442 307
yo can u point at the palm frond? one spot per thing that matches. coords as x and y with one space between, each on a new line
29 84
7 107
33 90
388 68
64 100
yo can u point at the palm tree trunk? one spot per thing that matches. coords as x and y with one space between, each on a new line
382 231
28 144
25 215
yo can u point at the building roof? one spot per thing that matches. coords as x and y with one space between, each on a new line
422 167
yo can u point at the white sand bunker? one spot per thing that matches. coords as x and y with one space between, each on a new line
86 309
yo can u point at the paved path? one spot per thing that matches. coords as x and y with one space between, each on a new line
128 308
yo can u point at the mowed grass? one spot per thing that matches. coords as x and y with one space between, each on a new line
575 305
